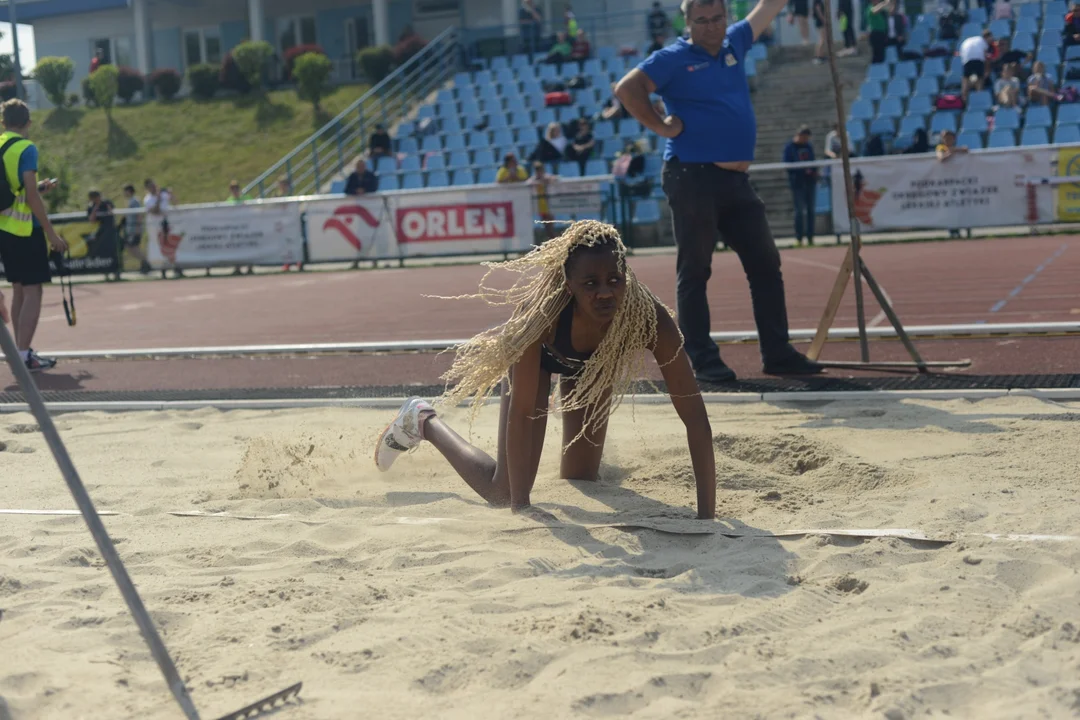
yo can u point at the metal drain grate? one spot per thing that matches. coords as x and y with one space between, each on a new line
764 385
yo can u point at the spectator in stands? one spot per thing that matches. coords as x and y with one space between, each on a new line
1071 33
1003 10
803 183
657 44
973 53
947 148
877 20
819 24
511 171
560 51
800 15
897 27
658 22
845 13
379 144
582 50
581 148
361 181
833 146
552 147
1040 87
920 143
612 108
571 21
875 146
531 25
542 182
1002 54
132 226
1007 88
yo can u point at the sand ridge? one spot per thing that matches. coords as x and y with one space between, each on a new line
404 595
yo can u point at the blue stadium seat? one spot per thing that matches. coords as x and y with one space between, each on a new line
410 163
980 100
569 170
458 159
879 72
1007 119
521 119
337 187
1024 42
486 176
974 121
823 199
910 123
927 86
500 62
969 30
891 55
1038 117
1051 39
750 67
954 76
933 67
977 15
502 136
1002 139
1001 28
592 66
1027 25
435 162
463 177
385 165
631 129
451 124
478 139
439 178
646 212
1034 136
1030 10
856 131
545 117
1067 134
604 129
519 61
884 126
470 108
906 70
759 52
432 143
484 157
870 90
511 91
408 145
547 72
891 107
596 166
483 77
1051 56
444 97
412 181
920 104
490 104
608 53
862 110
425 111
969 139
654 165
462 80
389 183
456 141
1056 7
1069 114
898 87
1054 22
941 121
505 75
497 121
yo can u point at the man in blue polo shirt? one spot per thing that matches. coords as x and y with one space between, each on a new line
711 131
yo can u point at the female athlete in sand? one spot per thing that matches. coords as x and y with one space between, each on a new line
579 313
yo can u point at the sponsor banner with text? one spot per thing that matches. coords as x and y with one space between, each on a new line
447 222
1068 194
966 191
230 235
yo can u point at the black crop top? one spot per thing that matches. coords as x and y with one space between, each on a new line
559 357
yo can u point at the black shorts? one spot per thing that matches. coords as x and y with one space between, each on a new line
800 8
974 67
26 259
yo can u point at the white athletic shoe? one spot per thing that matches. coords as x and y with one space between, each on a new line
403 434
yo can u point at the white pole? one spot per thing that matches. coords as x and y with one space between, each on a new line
19 92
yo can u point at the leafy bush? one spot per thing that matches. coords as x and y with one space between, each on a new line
204 80
87 92
57 198
104 84
251 59
312 72
7 67
166 83
54 74
407 47
130 81
231 78
294 52
7 90
73 99
376 62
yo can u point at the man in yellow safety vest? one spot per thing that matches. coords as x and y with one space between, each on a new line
25 231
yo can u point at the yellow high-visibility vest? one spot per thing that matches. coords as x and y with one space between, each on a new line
17 219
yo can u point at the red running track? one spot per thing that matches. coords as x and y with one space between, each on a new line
994 280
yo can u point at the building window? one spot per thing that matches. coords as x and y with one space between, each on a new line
438 7
294 31
114 51
202 45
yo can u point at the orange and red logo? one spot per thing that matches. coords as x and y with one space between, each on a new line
436 223
169 244
348 220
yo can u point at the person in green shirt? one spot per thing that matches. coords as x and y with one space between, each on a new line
560 50
236 198
877 21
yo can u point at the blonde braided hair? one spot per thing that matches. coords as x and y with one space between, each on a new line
538 297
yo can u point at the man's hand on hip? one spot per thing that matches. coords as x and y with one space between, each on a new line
673 127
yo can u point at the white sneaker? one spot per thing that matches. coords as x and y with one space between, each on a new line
403 434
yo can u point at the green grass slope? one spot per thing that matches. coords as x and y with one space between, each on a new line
195 148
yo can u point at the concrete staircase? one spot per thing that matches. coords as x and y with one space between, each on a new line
795 92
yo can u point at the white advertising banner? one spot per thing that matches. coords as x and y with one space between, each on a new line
417 224
575 199
965 191
228 235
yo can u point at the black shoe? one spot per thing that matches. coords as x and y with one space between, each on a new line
794 363
715 373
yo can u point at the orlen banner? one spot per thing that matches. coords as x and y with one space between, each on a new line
421 223
227 235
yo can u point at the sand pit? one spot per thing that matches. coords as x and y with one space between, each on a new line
401 596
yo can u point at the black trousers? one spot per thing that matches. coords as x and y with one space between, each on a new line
879 40
707 202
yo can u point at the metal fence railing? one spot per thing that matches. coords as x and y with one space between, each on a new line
328 152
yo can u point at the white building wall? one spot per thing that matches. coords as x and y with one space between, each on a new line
71 36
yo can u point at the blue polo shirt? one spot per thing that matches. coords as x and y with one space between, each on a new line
710 95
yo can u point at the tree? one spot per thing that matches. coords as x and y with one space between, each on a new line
251 58
376 62
54 74
312 73
57 198
204 80
105 83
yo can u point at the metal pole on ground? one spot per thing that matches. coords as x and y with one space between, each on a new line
97 528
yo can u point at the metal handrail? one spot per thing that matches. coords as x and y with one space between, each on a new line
325 153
